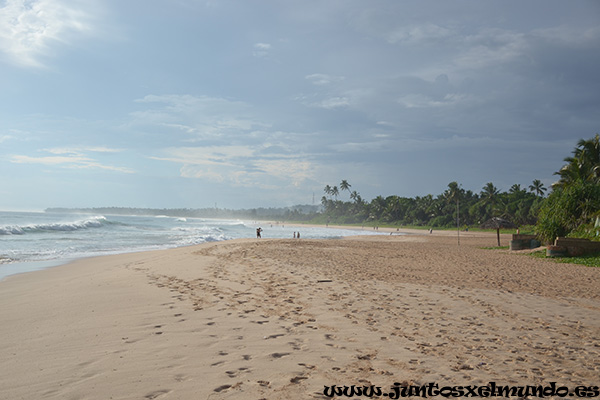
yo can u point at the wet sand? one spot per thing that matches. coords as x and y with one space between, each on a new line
282 319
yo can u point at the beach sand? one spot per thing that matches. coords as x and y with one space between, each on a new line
282 319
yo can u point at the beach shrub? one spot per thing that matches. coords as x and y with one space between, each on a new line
569 209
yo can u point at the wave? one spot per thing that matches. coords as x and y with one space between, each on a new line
92 222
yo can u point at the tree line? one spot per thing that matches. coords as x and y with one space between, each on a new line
571 209
519 204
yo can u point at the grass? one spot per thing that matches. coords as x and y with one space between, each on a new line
496 248
590 260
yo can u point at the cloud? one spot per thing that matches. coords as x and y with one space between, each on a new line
261 49
419 34
323 79
4 138
29 29
241 165
79 150
424 101
197 117
69 158
334 102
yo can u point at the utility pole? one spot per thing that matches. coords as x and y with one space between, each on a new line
457 221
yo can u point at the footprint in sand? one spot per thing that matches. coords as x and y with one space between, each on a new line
298 379
221 388
156 394
279 355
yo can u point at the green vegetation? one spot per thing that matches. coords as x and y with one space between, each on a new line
517 205
591 260
573 208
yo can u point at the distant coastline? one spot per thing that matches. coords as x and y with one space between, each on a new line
261 213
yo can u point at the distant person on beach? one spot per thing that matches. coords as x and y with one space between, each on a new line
294 235
298 235
258 231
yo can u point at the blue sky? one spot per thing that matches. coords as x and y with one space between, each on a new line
242 104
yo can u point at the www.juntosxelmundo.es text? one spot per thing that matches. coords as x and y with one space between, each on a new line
432 389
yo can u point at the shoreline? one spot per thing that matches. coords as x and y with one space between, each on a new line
19 267
283 318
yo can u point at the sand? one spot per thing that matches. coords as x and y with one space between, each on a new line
282 319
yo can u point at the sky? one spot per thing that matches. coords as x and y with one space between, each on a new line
243 104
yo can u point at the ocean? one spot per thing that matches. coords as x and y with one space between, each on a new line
36 240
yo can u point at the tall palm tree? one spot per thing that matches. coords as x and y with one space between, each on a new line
345 186
516 188
588 154
454 192
335 192
584 165
537 187
356 197
490 193
327 189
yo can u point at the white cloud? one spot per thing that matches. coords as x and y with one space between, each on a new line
491 47
212 155
262 46
417 34
261 49
80 150
424 101
240 165
29 29
68 158
323 79
334 102
199 117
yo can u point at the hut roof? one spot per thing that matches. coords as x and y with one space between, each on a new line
497 223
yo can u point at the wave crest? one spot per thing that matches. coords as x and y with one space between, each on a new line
92 222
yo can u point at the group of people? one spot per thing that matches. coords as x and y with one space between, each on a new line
259 230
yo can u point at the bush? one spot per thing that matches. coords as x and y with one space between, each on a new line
568 209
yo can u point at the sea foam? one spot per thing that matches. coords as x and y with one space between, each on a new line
92 222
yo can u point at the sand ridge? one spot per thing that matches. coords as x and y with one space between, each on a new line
281 319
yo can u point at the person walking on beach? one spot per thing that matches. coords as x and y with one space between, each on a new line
258 231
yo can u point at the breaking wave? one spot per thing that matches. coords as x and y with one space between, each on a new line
92 222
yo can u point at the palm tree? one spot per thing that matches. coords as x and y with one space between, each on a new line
327 190
345 186
588 154
454 192
490 193
584 165
516 188
335 192
537 187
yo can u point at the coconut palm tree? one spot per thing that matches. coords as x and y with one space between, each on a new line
537 187
344 185
335 192
588 155
583 166
454 192
490 193
516 188
327 189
